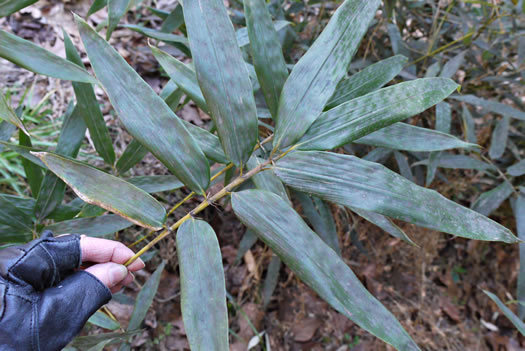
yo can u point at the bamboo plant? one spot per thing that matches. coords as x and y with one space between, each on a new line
314 108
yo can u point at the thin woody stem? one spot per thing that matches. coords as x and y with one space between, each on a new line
223 192
192 194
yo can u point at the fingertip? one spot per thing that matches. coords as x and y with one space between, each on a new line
136 265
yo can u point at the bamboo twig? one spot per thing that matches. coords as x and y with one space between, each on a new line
205 203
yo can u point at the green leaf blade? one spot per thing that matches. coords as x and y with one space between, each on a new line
283 230
36 59
145 115
367 80
267 53
223 77
203 291
373 111
314 78
352 182
109 192
116 10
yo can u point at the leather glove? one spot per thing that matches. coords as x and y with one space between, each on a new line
44 303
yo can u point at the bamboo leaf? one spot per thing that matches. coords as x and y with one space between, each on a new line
507 312
498 142
209 143
517 169
243 37
12 235
248 240
145 298
491 106
8 7
158 35
443 117
519 215
116 10
267 53
6 131
318 214
133 154
85 342
173 21
314 78
109 192
451 67
271 280
35 59
33 172
373 111
156 184
11 216
144 114
203 291
7 113
352 182
490 201
283 230
403 166
458 162
102 320
223 77
182 75
469 125
71 135
384 223
402 136
96 6
369 79
87 102
91 226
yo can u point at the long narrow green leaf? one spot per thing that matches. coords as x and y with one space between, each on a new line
71 135
443 117
145 298
96 6
517 169
271 279
243 38
469 125
133 154
267 54
102 320
156 184
8 7
109 192
203 291
182 75
174 20
282 229
498 142
402 136
315 77
6 131
491 106
489 201
318 214
87 102
373 111
507 312
35 59
13 217
459 162
145 115
384 223
8 115
209 143
451 67
223 77
248 240
519 215
33 172
369 79
116 10
91 226
353 182
12 235
158 35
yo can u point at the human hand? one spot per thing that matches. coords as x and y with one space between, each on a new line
45 300
109 257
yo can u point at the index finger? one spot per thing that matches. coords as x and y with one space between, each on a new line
98 250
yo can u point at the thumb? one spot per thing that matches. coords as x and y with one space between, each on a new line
110 274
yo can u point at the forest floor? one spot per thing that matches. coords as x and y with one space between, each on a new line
434 289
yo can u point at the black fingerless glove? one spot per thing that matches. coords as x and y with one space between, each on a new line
44 303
